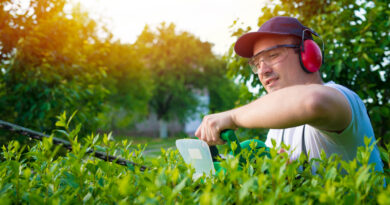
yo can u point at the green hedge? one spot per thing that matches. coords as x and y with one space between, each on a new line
37 174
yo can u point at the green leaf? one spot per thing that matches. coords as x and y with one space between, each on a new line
70 179
367 58
87 197
5 188
179 187
63 132
383 198
384 154
70 118
61 120
339 67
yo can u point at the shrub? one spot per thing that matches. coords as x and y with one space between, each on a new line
38 175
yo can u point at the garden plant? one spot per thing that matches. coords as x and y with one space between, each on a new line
38 174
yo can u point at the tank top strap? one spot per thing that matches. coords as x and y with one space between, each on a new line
303 141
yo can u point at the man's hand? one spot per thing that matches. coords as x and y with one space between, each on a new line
282 150
212 125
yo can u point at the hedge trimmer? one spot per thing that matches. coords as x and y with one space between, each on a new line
57 141
204 158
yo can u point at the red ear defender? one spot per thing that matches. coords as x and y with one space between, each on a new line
310 56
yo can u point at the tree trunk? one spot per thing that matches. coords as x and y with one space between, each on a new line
163 128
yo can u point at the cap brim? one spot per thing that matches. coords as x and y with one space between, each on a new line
244 44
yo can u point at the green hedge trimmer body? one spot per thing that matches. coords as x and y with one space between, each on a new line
206 159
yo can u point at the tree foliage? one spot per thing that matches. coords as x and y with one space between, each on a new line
180 66
46 74
130 86
223 92
356 38
52 60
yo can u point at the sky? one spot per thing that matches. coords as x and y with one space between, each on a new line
207 19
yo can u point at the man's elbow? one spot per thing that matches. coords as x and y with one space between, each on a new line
317 105
327 109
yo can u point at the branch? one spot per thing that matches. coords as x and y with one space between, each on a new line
39 136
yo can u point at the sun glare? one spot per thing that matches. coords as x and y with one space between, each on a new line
209 20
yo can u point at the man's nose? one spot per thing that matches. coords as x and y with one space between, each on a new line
264 68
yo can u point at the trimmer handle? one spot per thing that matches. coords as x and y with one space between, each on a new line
229 137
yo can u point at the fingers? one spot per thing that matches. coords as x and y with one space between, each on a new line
208 131
281 150
212 131
198 132
204 132
219 141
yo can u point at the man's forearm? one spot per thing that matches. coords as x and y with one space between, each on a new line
288 107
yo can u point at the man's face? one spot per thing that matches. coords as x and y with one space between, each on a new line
284 73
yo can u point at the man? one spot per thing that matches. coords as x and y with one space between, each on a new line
300 109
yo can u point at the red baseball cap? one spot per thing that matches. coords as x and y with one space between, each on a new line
279 25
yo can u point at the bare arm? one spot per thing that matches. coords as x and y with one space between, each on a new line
320 106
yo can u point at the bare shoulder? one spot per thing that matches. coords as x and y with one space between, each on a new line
333 109
325 93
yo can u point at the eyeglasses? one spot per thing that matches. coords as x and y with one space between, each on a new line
270 56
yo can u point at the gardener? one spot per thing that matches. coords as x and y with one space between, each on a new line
300 109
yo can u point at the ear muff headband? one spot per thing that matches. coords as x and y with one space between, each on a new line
310 55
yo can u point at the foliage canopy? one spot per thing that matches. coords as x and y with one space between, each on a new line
52 60
180 66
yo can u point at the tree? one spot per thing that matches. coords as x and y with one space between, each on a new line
54 61
356 38
16 22
130 87
178 62
44 73
223 91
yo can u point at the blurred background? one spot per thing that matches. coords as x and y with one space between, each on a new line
151 69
